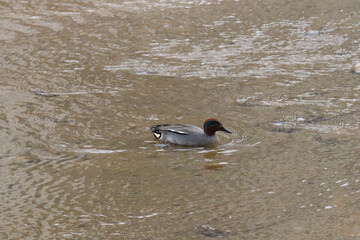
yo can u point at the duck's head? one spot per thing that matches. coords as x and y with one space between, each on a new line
212 125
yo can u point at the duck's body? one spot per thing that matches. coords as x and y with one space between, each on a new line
187 134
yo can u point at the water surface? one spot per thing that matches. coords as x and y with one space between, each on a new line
81 81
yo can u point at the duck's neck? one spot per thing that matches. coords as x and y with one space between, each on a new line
210 131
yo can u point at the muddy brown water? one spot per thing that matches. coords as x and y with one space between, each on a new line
81 80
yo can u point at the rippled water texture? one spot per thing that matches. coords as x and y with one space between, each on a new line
81 80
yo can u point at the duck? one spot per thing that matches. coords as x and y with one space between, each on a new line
188 134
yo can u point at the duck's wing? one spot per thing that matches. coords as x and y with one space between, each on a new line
182 129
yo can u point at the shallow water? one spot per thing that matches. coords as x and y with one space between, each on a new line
81 81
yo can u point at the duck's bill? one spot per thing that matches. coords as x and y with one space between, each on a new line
224 130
